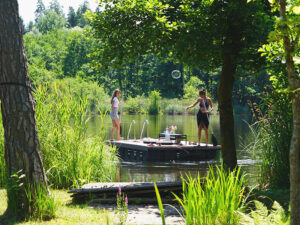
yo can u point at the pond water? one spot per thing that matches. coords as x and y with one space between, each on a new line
186 124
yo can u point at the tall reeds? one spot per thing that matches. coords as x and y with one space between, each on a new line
271 140
213 199
71 157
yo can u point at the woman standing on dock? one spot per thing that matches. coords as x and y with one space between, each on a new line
203 113
114 114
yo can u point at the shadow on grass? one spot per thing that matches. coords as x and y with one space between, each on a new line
7 219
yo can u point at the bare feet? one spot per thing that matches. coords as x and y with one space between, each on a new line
120 139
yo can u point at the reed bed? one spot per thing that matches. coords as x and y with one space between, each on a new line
71 157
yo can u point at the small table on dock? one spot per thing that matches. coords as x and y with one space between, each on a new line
176 137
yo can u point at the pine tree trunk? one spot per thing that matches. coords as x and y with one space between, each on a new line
294 83
226 112
22 147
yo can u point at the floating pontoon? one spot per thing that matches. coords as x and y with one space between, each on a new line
154 150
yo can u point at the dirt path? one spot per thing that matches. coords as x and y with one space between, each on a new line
148 214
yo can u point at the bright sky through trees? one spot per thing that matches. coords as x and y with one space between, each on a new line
27 7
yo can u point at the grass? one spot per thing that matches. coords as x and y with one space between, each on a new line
213 199
71 156
160 205
67 213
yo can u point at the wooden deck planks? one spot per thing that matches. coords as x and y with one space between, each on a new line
139 190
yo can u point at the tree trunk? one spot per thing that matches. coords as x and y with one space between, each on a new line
294 83
295 161
22 147
231 49
226 111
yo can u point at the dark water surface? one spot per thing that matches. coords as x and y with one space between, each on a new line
186 124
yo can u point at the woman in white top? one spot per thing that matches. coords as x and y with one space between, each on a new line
114 114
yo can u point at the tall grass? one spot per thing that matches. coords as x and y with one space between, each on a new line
71 156
160 205
214 199
271 143
43 206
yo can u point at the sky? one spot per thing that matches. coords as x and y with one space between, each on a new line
27 7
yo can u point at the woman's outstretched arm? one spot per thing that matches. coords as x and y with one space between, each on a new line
195 103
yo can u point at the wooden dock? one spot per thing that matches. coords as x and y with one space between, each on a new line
136 192
138 150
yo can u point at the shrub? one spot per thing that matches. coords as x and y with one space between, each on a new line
191 89
175 109
136 105
154 107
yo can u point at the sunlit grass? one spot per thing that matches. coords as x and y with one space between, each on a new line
67 213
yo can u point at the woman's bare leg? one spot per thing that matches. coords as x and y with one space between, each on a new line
199 133
206 134
113 130
118 129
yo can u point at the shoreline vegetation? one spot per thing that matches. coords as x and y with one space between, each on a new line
98 101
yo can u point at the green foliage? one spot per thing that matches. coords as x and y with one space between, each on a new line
72 20
154 107
191 89
3 172
275 122
272 134
261 215
175 109
214 199
191 32
67 213
122 207
71 157
44 206
73 52
160 205
14 194
77 49
50 21
58 54
40 10
177 106
80 14
56 7
45 54
136 105
95 96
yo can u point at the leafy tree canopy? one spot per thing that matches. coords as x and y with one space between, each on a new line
50 21
40 9
192 32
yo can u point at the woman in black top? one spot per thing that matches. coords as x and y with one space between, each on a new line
202 116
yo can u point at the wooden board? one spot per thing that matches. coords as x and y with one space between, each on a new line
136 191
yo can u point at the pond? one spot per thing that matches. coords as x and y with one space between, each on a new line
186 124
